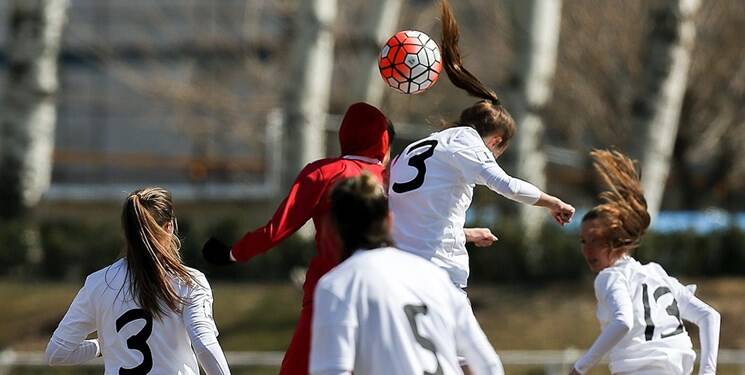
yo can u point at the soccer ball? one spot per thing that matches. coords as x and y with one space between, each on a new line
410 62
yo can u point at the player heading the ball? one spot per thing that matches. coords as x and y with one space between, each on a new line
432 180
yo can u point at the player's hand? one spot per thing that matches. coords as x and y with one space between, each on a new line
562 212
216 252
481 237
574 372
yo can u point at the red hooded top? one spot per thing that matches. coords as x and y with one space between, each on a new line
363 136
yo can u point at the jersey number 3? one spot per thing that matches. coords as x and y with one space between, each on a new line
411 312
417 161
138 342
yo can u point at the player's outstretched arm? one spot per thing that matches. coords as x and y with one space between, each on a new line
294 211
68 345
478 165
560 211
708 321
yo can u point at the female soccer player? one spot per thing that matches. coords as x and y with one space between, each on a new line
364 137
384 311
148 309
432 180
640 307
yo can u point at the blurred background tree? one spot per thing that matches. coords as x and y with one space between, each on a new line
28 119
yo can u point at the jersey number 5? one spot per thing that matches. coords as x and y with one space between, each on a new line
671 310
138 342
411 312
417 161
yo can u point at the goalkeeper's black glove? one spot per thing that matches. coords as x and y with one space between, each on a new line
216 252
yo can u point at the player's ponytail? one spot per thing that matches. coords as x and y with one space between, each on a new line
624 208
359 211
152 251
487 116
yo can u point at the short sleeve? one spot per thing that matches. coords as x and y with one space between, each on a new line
334 335
80 319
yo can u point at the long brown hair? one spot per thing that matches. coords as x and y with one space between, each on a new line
624 208
359 212
152 252
487 116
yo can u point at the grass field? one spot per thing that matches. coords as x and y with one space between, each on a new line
262 317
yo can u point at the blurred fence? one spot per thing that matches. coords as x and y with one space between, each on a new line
554 362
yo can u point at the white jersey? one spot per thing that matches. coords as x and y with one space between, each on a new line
652 305
128 336
385 311
431 187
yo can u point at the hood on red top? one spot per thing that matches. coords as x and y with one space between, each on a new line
363 132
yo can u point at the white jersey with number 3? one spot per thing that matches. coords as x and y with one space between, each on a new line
128 336
385 311
431 187
653 305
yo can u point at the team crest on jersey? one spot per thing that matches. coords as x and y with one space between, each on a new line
486 157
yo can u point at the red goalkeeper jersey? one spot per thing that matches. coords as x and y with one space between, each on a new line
364 143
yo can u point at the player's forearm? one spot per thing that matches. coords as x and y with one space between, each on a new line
708 321
212 359
709 337
612 334
62 353
548 201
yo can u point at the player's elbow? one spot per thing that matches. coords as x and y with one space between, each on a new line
54 356
714 317
202 343
623 324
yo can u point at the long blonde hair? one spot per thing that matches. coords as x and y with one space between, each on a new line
152 251
624 208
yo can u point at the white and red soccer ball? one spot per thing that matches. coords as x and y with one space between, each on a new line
410 62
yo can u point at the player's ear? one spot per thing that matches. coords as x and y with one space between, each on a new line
498 140
169 227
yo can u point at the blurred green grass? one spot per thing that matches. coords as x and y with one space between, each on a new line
262 316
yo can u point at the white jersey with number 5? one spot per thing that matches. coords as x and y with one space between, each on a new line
653 305
131 340
431 187
385 311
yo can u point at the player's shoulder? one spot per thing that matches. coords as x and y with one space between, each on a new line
116 270
463 137
613 275
196 274
366 264
318 168
654 269
381 260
